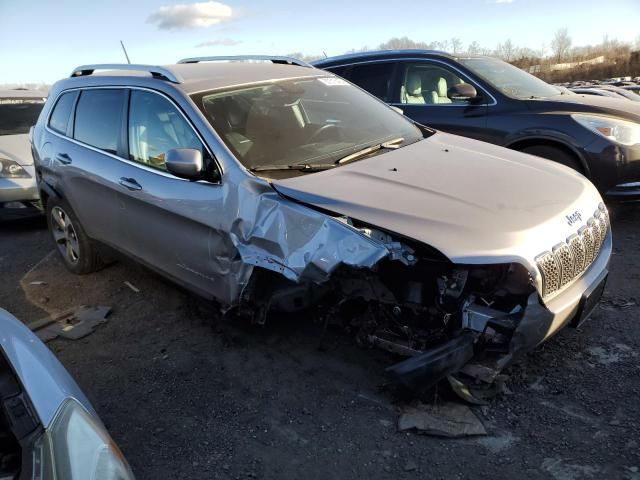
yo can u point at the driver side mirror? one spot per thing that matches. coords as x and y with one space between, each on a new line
185 163
462 92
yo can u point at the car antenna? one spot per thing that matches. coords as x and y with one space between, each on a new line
325 54
125 51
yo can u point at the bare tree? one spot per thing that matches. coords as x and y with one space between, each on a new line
506 50
474 48
542 51
456 45
404 42
303 57
561 44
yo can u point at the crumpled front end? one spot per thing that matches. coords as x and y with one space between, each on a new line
299 243
396 293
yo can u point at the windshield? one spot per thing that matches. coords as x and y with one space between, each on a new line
18 116
304 121
508 79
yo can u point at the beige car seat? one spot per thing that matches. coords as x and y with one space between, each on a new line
412 89
439 92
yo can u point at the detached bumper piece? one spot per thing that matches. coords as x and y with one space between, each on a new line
498 341
425 370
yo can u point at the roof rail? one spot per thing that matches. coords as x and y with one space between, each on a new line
270 58
161 73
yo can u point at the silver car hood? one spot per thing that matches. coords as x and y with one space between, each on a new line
44 379
16 148
473 201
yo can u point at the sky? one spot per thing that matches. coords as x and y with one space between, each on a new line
43 40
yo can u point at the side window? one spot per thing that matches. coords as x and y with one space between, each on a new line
155 127
59 120
340 71
98 119
375 78
427 83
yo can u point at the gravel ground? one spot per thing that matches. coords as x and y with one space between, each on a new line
187 395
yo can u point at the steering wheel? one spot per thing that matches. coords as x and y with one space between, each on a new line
322 130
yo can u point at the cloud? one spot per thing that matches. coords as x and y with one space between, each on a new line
502 1
219 42
194 15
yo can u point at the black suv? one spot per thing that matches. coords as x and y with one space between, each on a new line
491 100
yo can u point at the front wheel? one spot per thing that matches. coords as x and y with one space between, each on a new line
556 154
78 252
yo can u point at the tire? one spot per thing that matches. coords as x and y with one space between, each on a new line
78 252
556 154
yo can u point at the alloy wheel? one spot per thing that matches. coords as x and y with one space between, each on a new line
64 234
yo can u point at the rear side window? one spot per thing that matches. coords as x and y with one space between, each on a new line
340 71
98 119
375 78
59 120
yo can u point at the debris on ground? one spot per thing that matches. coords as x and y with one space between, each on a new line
410 466
132 286
71 324
617 303
38 282
476 391
611 354
449 419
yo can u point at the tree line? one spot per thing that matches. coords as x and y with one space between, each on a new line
559 61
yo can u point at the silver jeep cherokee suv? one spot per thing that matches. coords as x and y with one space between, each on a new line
276 186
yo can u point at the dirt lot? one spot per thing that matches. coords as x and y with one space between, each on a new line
186 395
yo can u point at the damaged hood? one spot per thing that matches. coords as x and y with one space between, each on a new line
473 201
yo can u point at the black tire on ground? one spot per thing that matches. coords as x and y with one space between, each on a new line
78 252
556 154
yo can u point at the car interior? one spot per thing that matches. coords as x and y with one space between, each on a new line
155 127
427 85
267 125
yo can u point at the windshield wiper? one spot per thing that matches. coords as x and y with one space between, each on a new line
301 167
389 144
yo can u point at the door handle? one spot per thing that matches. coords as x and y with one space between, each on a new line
63 158
130 183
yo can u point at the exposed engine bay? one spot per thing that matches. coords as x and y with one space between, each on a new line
414 303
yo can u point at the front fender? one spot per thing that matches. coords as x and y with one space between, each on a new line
548 137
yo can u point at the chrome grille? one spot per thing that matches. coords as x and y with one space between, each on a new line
576 244
562 252
569 259
587 237
597 237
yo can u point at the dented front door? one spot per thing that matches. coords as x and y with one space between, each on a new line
171 224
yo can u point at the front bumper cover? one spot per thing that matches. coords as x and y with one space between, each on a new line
526 330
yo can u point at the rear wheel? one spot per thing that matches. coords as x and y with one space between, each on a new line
78 252
556 154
